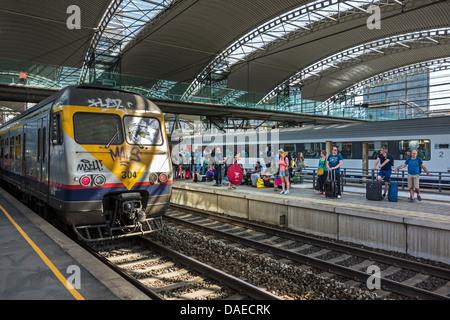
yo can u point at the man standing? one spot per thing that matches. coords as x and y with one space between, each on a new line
385 168
414 164
334 162
219 161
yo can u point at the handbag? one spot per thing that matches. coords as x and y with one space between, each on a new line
320 172
260 183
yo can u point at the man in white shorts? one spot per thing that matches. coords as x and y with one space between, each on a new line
414 164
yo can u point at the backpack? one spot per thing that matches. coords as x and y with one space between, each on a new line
420 163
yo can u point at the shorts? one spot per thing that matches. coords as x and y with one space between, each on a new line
413 181
284 174
386 174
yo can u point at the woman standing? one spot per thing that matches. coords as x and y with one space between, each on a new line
237 157
322 174
283 163
300 161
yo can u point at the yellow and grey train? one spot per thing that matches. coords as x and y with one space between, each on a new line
97 156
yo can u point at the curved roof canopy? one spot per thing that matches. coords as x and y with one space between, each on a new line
324 46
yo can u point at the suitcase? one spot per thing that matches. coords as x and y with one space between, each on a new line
393 191
374 190
331 186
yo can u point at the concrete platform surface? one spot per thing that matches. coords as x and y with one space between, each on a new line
37 261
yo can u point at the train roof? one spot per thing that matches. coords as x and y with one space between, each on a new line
393 128
94 96
355 131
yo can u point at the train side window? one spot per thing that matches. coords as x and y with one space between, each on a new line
344 148
39 145
423 148
56 129
44 141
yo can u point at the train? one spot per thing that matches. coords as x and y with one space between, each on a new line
96 158
429 136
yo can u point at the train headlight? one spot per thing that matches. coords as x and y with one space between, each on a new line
163 177
99 180
153 178
85 181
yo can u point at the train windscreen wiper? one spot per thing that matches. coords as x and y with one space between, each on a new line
112 139
136 140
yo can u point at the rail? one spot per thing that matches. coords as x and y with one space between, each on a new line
438 182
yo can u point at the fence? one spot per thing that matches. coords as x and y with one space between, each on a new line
438 182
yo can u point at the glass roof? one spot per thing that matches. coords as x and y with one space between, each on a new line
280 28
374 48
128 19
439 70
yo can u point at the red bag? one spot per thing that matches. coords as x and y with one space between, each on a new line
235 174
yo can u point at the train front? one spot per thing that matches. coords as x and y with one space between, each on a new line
119 172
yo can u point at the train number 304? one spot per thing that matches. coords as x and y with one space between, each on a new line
128 174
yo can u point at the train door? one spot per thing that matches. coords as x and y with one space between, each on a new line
30 155
42 155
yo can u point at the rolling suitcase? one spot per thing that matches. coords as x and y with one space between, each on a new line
330 185
393 191
374 190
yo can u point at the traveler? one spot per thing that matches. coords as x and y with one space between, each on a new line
415 164
219 161
283 163
385 169
322 174
197 163
334 162
237 157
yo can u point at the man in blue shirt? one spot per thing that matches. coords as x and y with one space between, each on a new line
334 162
385 168
414 164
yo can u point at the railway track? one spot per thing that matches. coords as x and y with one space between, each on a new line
165 274
392 274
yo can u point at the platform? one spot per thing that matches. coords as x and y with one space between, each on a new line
36 261
421 229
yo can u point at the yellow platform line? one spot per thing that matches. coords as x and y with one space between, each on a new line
47 261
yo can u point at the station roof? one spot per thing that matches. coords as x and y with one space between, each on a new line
259 45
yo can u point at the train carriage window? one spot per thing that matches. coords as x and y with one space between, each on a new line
312 150
44 142
345 149
374 148
423 148
142 130
39 145
97 128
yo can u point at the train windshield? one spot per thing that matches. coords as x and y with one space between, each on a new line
142 130
97 128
